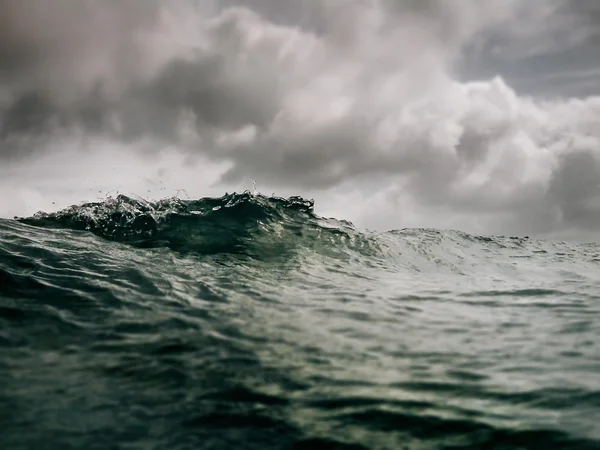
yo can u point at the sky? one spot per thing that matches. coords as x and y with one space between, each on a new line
476 115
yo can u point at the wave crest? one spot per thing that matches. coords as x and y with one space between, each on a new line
234 223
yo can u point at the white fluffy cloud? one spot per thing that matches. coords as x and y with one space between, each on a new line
357 103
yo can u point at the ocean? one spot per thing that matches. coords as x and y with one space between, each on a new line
249 322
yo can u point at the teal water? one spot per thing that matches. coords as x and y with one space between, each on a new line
248 322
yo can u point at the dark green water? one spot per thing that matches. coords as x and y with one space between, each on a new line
247 322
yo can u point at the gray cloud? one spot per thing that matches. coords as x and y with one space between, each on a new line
549 48
90 63
309 95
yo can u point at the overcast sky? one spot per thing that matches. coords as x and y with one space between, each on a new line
479 115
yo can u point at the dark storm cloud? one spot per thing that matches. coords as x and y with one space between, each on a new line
61 61
87 64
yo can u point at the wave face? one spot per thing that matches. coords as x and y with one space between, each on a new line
250 322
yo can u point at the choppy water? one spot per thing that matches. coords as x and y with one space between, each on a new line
248 322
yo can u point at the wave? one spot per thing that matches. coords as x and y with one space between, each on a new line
125 218
236 223
270 227
251 320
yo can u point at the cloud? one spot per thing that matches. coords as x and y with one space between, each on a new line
549 27
131 67
548 48
324 97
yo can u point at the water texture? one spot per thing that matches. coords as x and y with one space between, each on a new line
248 322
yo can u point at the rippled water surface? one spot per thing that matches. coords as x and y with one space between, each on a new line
247 322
